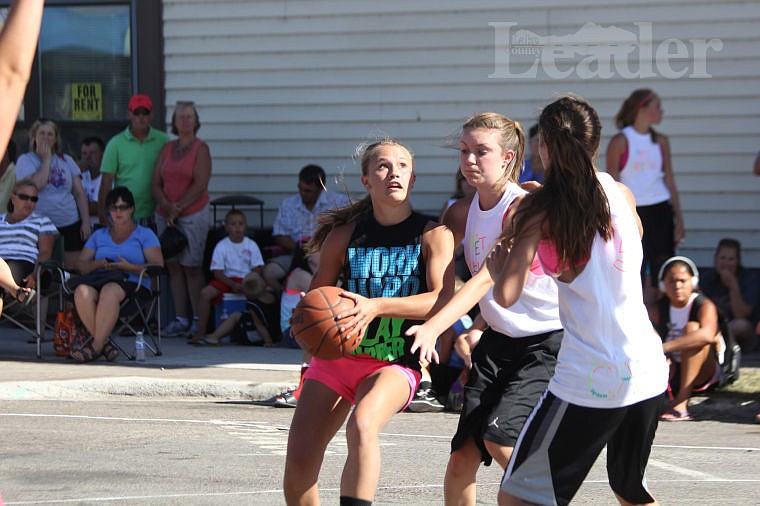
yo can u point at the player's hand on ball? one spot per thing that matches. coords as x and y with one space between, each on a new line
355 321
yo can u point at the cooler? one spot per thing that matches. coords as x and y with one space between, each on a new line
232 302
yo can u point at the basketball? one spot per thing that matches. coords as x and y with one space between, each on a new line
314 327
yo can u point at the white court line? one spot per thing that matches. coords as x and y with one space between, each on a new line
260 425
416 436
165 420
683 470
683 447
266 425
143 497
207 494
280 492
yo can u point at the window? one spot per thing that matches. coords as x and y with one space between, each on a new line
85 64
92 56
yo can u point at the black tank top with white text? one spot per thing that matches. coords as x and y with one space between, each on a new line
387 261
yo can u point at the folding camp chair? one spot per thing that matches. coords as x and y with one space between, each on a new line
139 311
29 317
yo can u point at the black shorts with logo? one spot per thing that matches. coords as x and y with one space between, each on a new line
507 379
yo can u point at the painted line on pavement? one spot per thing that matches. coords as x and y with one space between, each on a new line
280 492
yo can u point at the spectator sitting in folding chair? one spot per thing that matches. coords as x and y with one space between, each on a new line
26 238
123 247
21 294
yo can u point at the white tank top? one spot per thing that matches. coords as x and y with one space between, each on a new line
679 317
536 311
611 355
642 172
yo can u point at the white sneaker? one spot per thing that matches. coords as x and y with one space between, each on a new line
175 329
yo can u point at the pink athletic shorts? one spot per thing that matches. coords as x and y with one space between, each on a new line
344 374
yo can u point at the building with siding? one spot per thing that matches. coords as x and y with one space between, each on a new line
280 84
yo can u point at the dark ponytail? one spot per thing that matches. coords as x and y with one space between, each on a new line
572 201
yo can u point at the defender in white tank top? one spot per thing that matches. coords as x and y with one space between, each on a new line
610 355
536 311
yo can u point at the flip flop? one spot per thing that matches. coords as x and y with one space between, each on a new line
25 296
674 415
204 342
111 352
84 354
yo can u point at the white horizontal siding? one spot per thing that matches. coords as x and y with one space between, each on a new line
284 83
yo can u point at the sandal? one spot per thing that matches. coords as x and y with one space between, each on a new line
206 342
85 353
111 352
674 415
25 295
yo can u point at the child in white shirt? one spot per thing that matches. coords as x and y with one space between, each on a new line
234 256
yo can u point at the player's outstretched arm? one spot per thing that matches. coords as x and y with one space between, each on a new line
18 42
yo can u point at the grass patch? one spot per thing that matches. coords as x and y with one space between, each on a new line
736 403
748 383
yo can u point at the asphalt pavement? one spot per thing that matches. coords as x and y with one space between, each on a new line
181 370
230 372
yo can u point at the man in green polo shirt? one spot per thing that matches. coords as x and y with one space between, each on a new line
129 159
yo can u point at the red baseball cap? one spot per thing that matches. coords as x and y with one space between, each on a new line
138 101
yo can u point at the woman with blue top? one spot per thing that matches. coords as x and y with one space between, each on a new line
123 246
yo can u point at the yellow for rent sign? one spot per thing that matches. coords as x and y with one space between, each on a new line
86 102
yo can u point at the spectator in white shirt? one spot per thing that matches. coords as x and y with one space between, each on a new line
89 163
296 221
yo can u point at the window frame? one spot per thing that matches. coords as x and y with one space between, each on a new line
146 20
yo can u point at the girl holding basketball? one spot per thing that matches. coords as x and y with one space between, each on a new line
396 266
512 363
611 370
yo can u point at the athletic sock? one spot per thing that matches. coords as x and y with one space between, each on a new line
353 501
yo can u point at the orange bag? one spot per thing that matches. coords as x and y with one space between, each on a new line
64 333
61 339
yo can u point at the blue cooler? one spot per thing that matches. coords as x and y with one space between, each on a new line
232 302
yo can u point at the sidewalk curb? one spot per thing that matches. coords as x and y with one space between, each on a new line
139 386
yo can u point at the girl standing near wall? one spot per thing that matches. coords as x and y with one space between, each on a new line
639 157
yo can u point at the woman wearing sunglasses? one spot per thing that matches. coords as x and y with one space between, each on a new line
122 246
59 181
26 237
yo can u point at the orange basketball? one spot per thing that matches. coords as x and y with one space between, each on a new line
314 327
